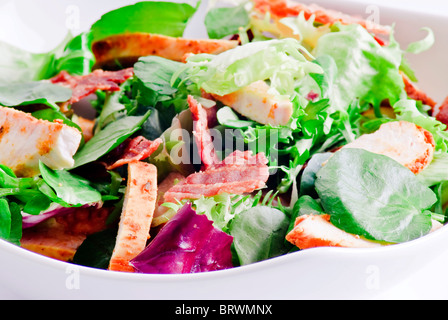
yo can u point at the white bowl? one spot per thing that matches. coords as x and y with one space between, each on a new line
323 273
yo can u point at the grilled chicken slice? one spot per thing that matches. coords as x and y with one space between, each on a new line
60 237
24 140
312 231
278 9
136 217
405 142
128 48
256 103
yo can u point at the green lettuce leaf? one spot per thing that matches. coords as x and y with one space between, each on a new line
282 62
365 70
160 17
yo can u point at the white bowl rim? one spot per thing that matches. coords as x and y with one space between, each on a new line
353 253
424 241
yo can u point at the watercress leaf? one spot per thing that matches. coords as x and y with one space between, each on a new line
167 18
374 196
107 139
70 188
222 22
37 204
38 92
259 234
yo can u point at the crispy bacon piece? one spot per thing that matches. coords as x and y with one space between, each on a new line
239 173
202 134
285 8
415 93
442 114
136 149
84 86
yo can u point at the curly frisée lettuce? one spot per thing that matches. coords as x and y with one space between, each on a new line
359 56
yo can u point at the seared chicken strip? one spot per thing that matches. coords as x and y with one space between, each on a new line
128 48
405 142
312 231
256 103
24 140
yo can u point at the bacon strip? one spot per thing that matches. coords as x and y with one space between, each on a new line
239 173
442 114
84 86
136 149
284 8
202 134
416 94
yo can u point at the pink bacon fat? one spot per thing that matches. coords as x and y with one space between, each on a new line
132 150
84 86
239 173
202 134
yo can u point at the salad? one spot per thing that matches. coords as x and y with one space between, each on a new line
131 148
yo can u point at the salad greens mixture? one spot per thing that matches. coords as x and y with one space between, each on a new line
303 100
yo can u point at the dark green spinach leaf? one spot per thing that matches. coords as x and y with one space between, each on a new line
107 139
